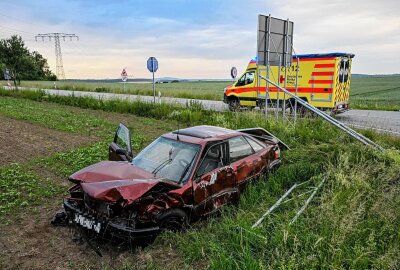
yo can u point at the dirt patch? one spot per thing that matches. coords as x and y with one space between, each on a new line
31 242
21 141
35 244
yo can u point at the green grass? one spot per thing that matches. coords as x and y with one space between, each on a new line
21 188
377 93
352 223
51 116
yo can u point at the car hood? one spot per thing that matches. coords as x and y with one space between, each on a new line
125 191
109 170
115 181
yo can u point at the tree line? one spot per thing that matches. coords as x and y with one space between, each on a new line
21 63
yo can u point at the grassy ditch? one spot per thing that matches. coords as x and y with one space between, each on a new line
194 114
352 223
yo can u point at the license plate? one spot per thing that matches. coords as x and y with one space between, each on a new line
88 223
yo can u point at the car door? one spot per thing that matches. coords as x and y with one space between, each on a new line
121 148
246 160
245 87
214 184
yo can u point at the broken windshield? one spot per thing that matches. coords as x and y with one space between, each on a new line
169 159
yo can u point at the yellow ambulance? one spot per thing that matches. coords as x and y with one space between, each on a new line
323 81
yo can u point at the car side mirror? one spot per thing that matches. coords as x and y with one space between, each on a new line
121 151
124 152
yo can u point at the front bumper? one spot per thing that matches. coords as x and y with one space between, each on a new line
225 99
341 107
108 228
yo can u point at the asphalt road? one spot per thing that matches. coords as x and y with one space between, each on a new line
382 121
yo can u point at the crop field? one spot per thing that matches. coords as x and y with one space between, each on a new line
375 93
378 93
352 223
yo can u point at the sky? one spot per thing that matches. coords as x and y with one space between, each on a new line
199 39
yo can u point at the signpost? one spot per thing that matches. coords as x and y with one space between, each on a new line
124 77
7 76
233 73
273 38
152 66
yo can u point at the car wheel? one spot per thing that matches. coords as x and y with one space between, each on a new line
233 104
173 220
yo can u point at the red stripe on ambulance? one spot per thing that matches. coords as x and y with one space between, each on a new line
274 90
320 81
324 65
322 73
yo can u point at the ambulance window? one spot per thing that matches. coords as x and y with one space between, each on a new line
344 71
247 78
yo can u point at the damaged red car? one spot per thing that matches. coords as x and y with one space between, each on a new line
181 176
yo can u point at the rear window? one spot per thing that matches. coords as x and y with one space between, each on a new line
254 144
239 148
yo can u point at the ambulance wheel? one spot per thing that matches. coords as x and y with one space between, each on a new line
301 110
233 104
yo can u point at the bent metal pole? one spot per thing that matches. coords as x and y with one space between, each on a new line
307 202
328 118
278 202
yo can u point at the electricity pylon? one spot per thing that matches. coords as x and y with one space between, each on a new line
59 63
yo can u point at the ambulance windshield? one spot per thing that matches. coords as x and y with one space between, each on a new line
247 78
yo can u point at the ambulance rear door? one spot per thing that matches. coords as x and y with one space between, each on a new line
342 80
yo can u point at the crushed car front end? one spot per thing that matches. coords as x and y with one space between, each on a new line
108 220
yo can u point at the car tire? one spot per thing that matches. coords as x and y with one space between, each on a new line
174 220
233 104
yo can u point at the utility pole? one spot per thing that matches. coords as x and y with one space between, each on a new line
59 63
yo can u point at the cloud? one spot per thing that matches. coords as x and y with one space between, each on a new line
370 29
203 39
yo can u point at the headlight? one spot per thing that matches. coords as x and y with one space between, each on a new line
225 89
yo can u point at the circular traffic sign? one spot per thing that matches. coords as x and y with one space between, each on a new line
233 72
152 64
124 75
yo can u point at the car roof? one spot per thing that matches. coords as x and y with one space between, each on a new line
201 134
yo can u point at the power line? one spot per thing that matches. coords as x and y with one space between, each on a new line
56 36
16 30
15 18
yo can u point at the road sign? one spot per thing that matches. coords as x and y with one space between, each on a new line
152 64
124 75
6 73
274 41
233 72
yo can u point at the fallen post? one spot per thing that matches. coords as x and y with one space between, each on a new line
307 202
278 202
